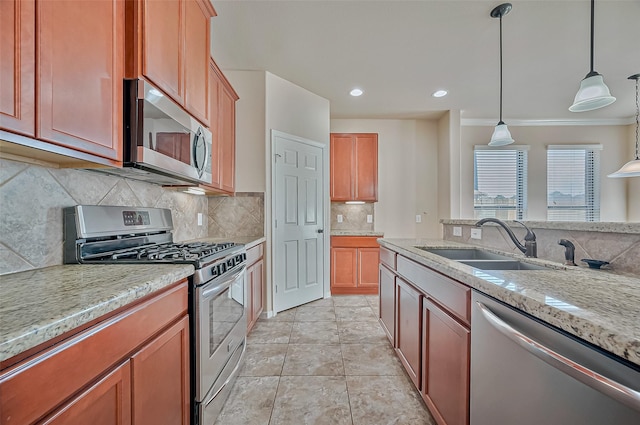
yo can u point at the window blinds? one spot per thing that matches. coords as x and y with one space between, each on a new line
500 182
573 183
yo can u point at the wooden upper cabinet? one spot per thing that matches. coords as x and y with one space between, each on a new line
169 45
80 71
17 66
162 62
354 167
223 130
196 63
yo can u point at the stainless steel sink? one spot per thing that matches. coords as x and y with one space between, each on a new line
501 265
481 259
466 254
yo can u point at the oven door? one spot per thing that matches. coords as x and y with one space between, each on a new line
221 325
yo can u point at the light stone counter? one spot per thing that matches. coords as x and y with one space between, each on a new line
594 305
247 241
38 305
356 233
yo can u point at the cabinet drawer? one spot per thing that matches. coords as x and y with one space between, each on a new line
39 384
450 294
388 258
354 242
254 254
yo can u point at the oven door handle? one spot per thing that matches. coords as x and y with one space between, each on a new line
218 289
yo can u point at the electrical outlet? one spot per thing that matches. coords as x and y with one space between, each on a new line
476 233
199 219
369 218
339 218
418 218
457 231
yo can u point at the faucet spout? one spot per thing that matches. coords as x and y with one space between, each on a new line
529 248
569 252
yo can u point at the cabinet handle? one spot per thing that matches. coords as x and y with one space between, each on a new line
598 382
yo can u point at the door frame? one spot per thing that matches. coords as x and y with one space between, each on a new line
326 206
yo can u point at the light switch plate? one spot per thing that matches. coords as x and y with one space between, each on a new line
369 218
418 218
339 218
476 233
199 219
457 231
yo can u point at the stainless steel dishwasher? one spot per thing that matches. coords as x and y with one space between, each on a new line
524 372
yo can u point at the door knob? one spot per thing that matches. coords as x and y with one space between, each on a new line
320 230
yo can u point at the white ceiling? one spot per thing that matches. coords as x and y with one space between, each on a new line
399 52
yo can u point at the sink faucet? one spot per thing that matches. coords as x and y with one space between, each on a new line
530 248
569 252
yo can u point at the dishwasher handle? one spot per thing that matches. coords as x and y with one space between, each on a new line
613 389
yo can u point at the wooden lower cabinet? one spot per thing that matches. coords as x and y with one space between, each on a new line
408 329
108 402
160 373
131 367
354 264
387 293
445 365
255 284
432 333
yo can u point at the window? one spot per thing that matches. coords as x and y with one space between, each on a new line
573 182
500 182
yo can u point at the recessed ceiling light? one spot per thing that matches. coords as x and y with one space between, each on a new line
439 93
356 92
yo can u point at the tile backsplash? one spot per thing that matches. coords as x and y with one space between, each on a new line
32 198
238 216
354 216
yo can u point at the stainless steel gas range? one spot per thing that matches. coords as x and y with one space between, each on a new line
217 311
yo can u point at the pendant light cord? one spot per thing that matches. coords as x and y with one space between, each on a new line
637 118
592 31
501 69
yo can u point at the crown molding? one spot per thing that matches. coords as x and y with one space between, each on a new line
482 122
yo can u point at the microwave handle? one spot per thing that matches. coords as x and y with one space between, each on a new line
200 137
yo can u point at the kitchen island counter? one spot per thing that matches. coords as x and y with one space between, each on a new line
39 305
597 306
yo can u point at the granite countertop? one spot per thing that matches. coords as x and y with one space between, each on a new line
356 233
595 305
247 241
38 305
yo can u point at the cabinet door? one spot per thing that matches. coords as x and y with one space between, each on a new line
196 56
160 372
368 260
408 328
341 165
162 61
445 368
387 293
227 125
366 167
215 85
80 71
256 281
17 66
344 270
108 402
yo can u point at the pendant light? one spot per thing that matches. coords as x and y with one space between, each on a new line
501 135
632 168
593 92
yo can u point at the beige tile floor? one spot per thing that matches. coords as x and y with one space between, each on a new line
326 362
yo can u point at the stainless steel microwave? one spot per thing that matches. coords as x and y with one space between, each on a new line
163 144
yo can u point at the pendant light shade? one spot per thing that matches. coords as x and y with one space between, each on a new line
632 168
501 135
593 92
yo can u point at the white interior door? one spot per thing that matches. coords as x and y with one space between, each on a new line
298 221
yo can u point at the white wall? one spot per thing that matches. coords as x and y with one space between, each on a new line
407 174
613 192
250 129
450 173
